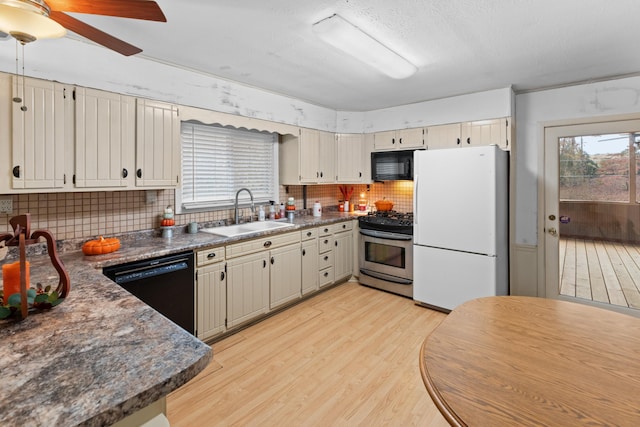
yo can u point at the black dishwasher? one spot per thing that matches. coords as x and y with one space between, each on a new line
165 283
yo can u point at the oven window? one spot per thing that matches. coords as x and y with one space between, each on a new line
385 254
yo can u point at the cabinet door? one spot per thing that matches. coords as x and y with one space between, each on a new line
327 157
309 253
343 255
247 288
212 300
40 131
443 136
410 138
285 275
350 159
105 138
157 144
385 140
309 162
483 132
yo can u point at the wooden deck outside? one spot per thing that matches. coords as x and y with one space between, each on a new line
607 272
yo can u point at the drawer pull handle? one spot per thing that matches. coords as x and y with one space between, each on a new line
344 225
211 255
308 234
326 230
267 243
222 275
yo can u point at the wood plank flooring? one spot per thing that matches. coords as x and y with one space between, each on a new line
607 272
346 357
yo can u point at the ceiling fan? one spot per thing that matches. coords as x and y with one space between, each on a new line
29 20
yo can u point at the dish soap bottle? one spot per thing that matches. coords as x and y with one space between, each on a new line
261 213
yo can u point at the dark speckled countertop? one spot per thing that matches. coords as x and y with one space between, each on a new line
102 354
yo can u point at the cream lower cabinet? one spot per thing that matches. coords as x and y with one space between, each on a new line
309 253
247 288
250 290
343 250
285 273
211 293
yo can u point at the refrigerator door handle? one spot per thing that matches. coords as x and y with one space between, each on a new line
416 180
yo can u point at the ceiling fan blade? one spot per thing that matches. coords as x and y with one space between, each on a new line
136 9
94 34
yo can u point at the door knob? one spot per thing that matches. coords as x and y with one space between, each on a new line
553 231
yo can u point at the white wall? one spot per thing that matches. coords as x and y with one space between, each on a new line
608 98
75 62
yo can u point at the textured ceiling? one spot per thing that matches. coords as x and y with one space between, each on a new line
459 46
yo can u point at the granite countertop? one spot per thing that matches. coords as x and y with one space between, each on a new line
102 354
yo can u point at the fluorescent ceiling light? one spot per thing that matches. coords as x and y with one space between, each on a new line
28 20
340 33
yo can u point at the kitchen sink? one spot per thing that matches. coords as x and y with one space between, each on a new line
246 228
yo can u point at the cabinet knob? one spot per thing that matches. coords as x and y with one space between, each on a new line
326 242
16 171
264 263
267 244
211 255
139 173
304 252
272 260
326 230
344 225
400 140
335 243
326 273
360 174
308 234
321 174
393 140
222 275
468 140
326 258
125 173
458 141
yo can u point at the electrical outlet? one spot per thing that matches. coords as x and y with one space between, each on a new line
6 205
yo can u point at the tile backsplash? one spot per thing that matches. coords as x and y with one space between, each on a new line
86 215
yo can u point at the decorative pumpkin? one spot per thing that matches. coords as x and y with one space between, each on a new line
101 246
167 222
384 205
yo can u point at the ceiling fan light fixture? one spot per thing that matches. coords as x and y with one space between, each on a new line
345 36
28 20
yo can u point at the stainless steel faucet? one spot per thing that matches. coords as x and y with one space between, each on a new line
237 218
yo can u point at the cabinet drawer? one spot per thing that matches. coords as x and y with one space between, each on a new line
325 230
325 277
341 226
325 260
209 256
325 244
309 234
262 244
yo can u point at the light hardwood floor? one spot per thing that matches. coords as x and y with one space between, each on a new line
346 357
601 271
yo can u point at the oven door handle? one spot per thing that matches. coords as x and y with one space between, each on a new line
386 235
386 277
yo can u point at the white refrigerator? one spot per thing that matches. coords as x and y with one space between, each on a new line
461 223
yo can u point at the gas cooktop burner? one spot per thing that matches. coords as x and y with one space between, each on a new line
388 221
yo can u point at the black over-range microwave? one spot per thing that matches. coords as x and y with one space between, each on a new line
392 165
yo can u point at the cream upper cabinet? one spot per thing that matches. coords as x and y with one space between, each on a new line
307 158
401 139
351 159
105 139
42 125
470 134
487 132
157 144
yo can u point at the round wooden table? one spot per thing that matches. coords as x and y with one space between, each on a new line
531 361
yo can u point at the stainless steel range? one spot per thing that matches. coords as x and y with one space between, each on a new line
386 251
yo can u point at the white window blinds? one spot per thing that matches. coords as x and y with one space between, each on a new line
218 161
